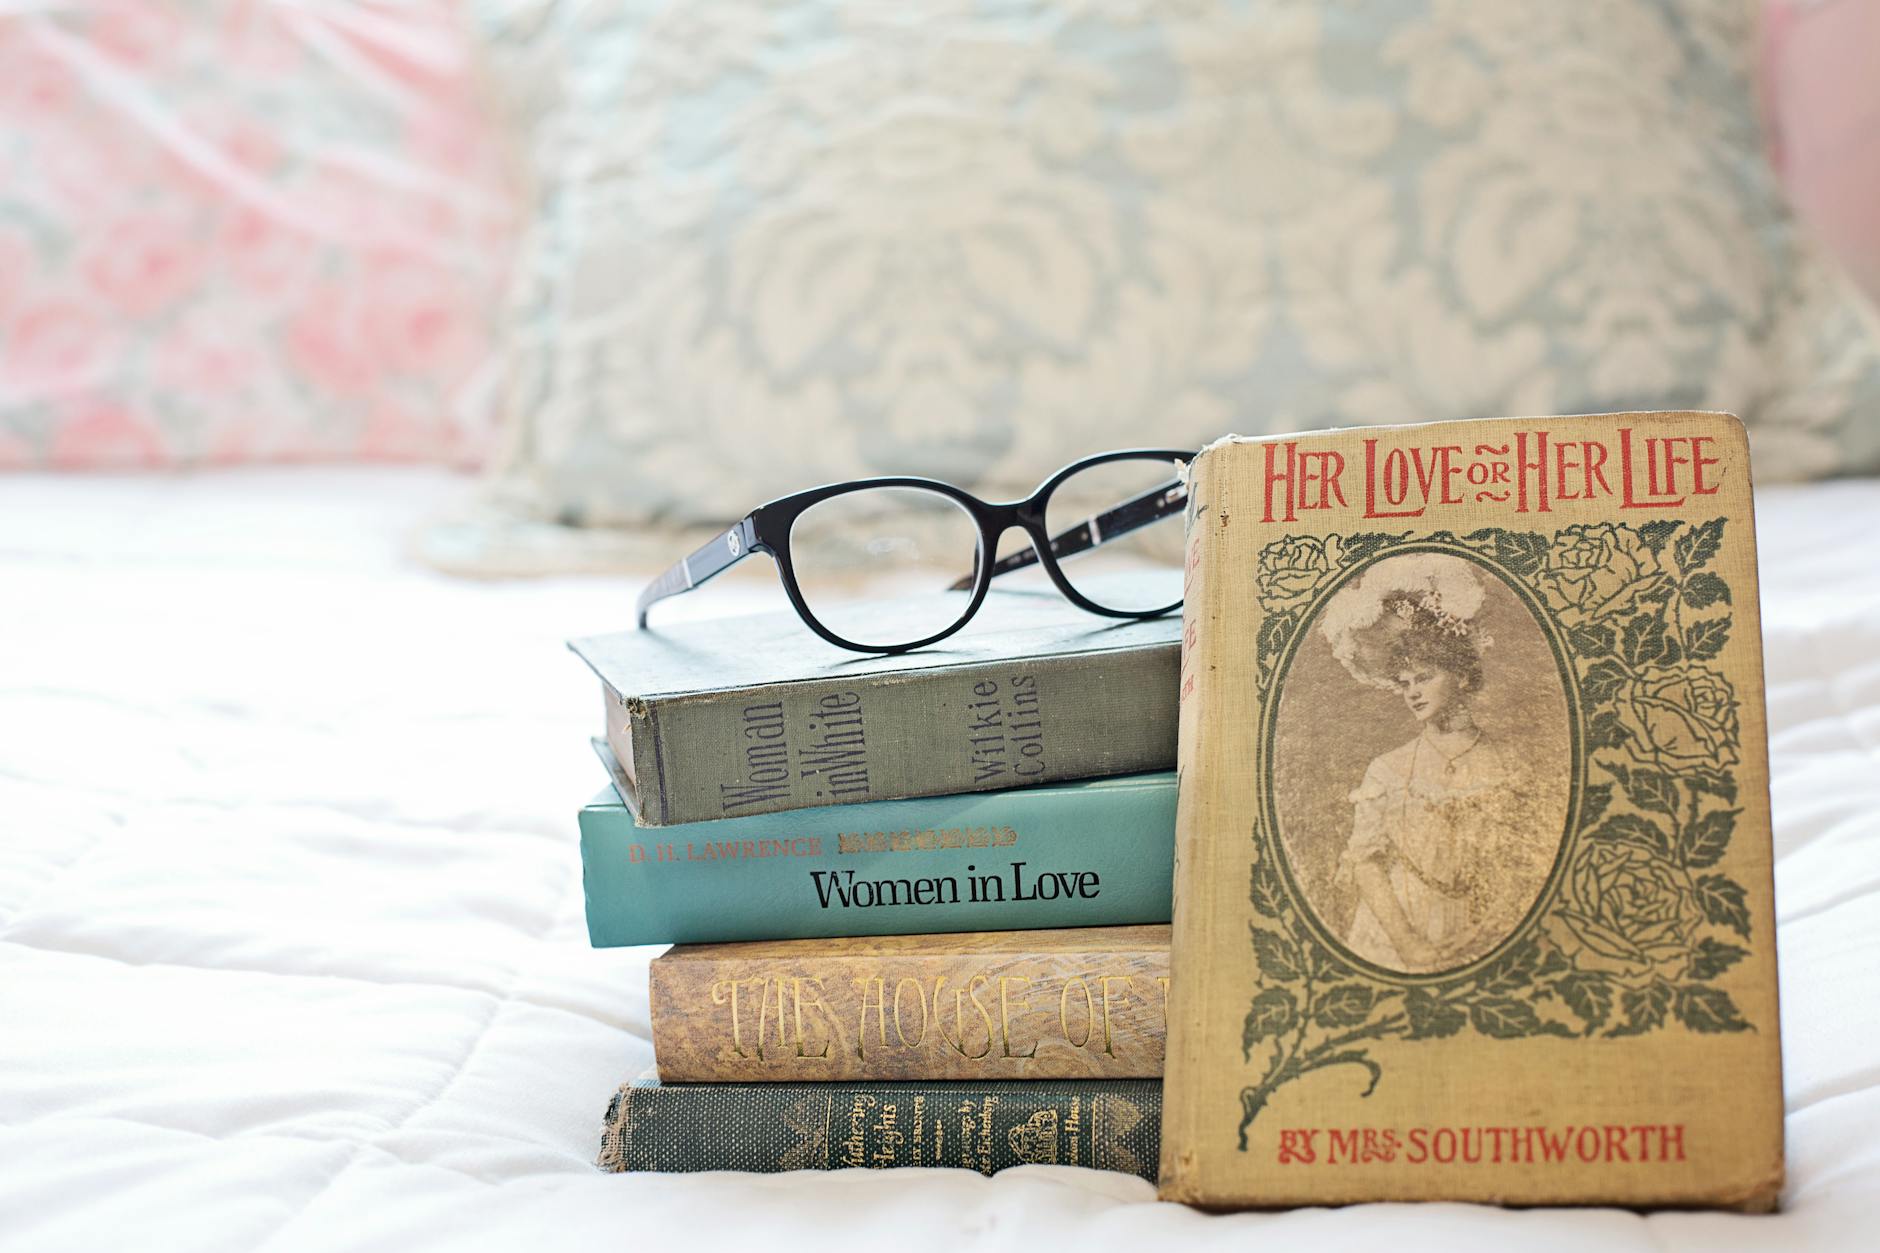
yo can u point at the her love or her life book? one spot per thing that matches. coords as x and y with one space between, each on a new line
731 717
1080 1002
1473 890
1091 853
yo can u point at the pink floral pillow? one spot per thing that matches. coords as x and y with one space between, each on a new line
1822 97
243 230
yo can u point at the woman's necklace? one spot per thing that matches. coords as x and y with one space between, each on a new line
1450 759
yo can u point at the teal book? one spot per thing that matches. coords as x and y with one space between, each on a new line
1104 1124
1093 853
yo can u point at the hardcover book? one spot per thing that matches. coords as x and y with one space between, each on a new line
1473 890
1105 1124
1093 853
1075 1003
732 717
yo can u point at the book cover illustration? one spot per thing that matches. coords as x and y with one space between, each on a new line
1473 886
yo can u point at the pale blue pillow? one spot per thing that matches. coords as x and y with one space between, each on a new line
775 245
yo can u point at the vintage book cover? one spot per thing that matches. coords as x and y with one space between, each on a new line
1473 888
1092 853
1105 1124
731 717
1081 1002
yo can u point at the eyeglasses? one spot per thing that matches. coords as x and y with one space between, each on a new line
912 534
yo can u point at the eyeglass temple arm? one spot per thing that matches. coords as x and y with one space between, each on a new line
709 559
1132 515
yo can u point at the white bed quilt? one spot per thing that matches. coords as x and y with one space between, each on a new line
291 949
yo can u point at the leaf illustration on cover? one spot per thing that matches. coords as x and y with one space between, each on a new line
1278 957
1698 545
1724 903
1346 1005
1266 894
1431 1018
1708 1009
1588 995
1273 1013
1705 840
1644 1009
1706 589
1706 639
1714 956
1651 789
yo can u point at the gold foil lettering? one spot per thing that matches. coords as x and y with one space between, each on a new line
764 986
1108 1046
972 994
881 1019
817 1002
888 1136
1090 1012
727 990
920 999
1005 1015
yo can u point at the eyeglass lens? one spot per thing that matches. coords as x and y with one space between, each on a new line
1117 529
873 565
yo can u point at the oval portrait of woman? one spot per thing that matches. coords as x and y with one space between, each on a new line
1421 763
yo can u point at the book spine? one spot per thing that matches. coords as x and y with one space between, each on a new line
963 1015
951 729
772 1127
1072 855
1195 802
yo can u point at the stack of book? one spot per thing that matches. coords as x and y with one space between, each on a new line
1471 879
920 902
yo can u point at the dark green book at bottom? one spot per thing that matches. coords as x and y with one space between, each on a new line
1112 1124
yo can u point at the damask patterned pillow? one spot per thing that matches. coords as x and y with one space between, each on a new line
777 244
234 230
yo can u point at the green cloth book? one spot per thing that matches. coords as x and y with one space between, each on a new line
1106 1124
730 717
1094 853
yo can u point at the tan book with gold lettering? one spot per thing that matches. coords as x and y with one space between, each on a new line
1083 1002
1473 888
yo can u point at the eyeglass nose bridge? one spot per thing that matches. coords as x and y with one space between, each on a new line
1027 516
1050 550
995 521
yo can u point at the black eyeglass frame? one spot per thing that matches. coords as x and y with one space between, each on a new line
766 529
